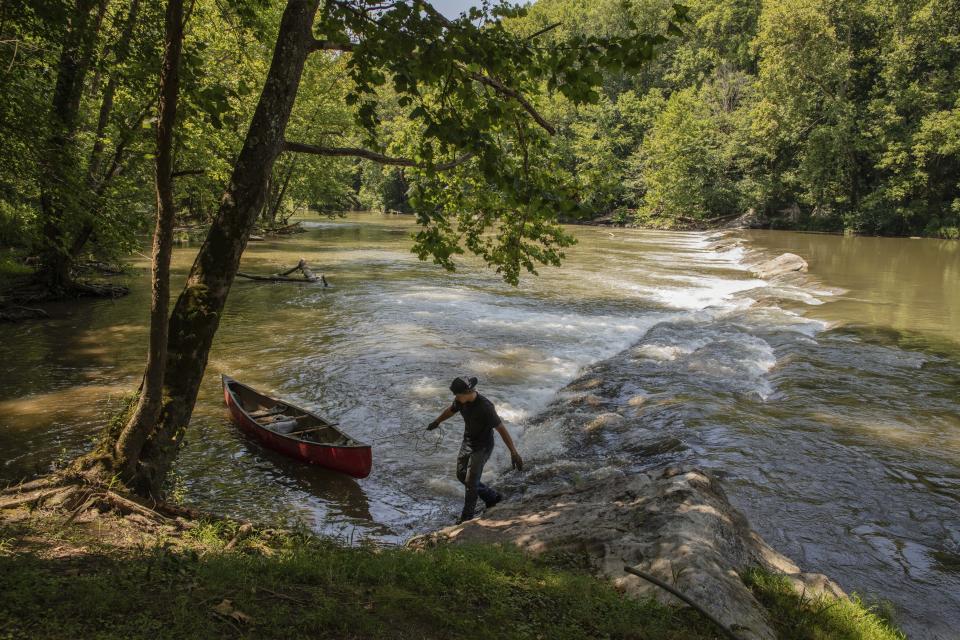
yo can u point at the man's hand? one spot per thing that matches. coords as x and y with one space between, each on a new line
433 425
516 461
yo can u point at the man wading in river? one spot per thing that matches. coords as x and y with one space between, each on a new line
479 419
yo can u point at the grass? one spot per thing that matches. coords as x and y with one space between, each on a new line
108 577
76 584
802 617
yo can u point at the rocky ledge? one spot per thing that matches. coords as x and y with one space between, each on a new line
674 523
672 520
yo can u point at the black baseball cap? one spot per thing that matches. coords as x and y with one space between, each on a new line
462 384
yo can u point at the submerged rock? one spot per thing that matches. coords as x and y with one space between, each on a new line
637 401
675 523
589 399
603 421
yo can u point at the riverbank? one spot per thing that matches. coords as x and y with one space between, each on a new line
749 220
117 576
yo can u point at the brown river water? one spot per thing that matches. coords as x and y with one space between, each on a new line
830 405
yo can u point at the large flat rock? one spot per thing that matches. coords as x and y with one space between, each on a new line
782 264
674 523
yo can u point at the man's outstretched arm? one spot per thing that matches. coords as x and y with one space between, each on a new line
515 458
443 416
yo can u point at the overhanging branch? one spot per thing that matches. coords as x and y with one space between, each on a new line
330 45
501 88
547 29
367 154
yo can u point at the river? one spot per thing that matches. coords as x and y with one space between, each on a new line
829 403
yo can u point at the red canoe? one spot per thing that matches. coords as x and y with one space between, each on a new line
295 432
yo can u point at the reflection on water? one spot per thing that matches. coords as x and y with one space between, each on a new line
829 404
909 285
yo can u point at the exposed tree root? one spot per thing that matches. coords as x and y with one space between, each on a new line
15 305
31 498
244 530
39 483
18 313
177 511
81 490
92 290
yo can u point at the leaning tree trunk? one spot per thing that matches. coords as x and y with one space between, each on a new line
60 181
197 312
144 417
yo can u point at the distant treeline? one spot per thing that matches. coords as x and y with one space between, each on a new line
814 114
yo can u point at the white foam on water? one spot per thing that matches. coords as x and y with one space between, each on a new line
527 343
709 292
433 294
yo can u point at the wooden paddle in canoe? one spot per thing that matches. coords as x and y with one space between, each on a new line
295 432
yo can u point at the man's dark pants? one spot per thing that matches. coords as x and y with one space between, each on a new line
470 463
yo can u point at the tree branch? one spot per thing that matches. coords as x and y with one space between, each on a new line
366 154
512 93
546 29
329 45
326 45
188 172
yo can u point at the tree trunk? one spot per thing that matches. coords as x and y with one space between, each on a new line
275 209
144 417
60 181
106 100
197 312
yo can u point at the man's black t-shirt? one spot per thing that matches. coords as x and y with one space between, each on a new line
479 419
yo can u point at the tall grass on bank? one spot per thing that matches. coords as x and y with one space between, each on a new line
796 616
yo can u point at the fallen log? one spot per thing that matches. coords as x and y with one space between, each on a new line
295 227
305 270
302 267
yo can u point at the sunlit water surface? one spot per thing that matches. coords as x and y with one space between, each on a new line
829 405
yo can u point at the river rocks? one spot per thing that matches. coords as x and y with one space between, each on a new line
637 401
675 523
585 383
605 421
782 264
589 400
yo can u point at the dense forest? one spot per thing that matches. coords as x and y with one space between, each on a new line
809 114
813 114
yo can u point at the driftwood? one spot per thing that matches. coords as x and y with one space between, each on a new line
295 227
302 267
